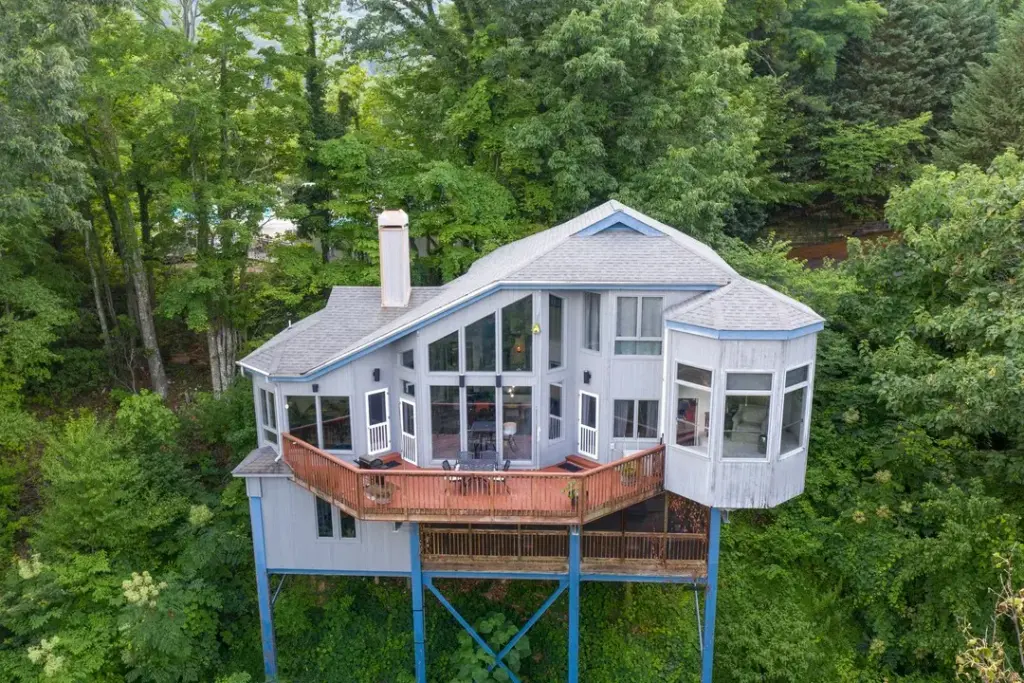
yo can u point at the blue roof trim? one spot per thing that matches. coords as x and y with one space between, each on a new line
398 334
746 335
620 218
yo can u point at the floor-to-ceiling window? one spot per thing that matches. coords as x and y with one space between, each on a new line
556 320
517 422
481 419
445 425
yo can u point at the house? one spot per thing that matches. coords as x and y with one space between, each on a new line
580 405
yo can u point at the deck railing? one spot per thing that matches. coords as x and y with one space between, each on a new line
510 497
531 549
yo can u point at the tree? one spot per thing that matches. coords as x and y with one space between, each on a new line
987 114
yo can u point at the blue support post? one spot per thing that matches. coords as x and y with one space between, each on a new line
263 589
711 596
418 629
574 604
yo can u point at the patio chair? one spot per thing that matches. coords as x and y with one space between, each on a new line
508 431
447 467
502 480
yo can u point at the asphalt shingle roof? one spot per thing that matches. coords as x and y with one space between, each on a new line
744 305
354 320
262 461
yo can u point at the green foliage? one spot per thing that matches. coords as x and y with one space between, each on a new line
987 112
474 665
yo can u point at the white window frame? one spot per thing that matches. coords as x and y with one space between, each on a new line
672 414
560 418
770 393
407 439
335 536
639 327
268 412
386 424
586 327
806 426
596 428
320 422
636 419
401 359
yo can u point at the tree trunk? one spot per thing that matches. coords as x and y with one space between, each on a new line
97 294
222 345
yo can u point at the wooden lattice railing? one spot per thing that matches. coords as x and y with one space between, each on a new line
461 496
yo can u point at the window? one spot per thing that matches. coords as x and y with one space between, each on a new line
693 407
747 410
444 421
480 345
268 416
517 423
517 336
592 321
302 418
794 410
481 411
556 312
324 519
554 412
336 422
635 419
443 354
408 388
638 326
408 359
588 425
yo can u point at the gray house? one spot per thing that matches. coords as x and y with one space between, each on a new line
608 385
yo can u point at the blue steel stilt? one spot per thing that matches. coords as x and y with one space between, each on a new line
574 604
529 624
263 589
418 629
711 596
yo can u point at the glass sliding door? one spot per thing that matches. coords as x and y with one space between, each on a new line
517 423
445 425
481 414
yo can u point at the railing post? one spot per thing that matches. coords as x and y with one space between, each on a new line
711 596
418 628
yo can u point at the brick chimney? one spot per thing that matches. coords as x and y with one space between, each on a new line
395 279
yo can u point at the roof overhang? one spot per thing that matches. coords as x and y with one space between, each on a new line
746 335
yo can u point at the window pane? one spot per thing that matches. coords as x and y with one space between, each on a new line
693 417
480 343
688 373
555 407
517 423
793 410
648 348
408 388
517 336
592 321
555 313
748 381
408 418
746 426
348 525
796 375
324 519
481 418
650 319
337 426
647 419
272 409
625 347
444 421
376 407
622 419
625 316
407 359
302 417
263 407
443 354
588 411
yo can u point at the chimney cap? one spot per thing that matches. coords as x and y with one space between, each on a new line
392 218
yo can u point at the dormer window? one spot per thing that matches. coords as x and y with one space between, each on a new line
638 326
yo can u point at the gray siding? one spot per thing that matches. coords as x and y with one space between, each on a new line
289 523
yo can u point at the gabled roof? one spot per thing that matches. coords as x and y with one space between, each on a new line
610 246
744 305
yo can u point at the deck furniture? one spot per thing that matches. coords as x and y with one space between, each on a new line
508 432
